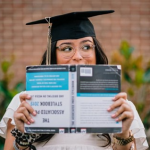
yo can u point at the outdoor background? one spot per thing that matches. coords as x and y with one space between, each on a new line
124 36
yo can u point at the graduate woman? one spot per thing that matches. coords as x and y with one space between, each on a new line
72 40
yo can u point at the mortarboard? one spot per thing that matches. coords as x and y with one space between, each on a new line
69 26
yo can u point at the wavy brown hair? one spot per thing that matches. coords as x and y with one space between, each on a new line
101 58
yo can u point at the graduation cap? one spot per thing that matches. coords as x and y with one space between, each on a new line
73 25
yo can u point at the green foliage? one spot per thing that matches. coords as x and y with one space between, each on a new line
6 94
126 50
147 74
1 143
135 79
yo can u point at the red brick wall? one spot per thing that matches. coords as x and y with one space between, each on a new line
131 22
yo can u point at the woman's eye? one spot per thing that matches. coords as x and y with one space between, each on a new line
66 49
86 47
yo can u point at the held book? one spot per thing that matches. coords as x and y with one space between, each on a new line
73 98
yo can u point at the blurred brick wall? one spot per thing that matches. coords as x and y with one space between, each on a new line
131 22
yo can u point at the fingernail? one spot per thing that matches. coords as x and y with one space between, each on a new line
113 115
31 120
117 120
109 109
28 123
28 96
34 113
113 98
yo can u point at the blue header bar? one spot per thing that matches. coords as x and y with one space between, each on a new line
96 94
47 81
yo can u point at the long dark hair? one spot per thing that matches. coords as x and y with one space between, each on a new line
101 58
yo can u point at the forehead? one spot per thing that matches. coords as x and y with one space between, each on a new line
75 41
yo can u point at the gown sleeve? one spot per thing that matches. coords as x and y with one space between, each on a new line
9 114
138 130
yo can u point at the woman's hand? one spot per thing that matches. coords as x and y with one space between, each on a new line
23 113
124 113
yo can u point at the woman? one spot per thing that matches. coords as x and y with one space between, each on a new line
73 35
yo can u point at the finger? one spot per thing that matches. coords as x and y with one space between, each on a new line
25 112
122 108
120 95
116 104
24 97
21 117
28 107
125 115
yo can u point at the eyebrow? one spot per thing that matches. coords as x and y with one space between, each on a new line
86 41
65 43
72 42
